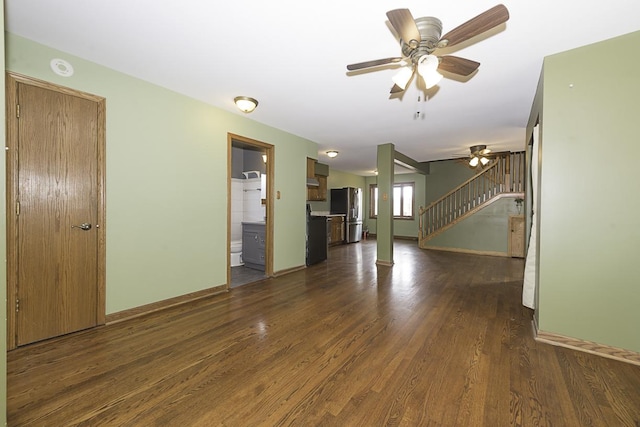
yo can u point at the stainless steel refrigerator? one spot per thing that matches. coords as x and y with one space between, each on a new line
348 201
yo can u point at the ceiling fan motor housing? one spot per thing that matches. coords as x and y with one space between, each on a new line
430 29
478 150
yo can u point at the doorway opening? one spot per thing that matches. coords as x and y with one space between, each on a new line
250 210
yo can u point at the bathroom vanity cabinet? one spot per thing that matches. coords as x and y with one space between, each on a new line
253 244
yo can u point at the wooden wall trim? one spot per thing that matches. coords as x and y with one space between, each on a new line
179 300
286 271
163 305
591 347
414 238
467 251
374 235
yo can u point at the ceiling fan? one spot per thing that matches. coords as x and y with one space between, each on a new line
478 155
419 38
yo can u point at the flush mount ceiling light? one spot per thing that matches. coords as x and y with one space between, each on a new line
332 153
245 103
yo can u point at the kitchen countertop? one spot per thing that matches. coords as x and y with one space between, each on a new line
317 213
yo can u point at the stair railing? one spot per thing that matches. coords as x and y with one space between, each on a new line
504 175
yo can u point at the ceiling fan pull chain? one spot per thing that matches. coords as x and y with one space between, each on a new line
420 107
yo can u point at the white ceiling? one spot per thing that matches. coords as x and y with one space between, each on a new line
292 57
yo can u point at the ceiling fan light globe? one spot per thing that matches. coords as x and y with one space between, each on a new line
432 79
428 69
484 161
474 162
427 64
402 77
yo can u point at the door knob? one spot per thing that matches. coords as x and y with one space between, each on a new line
84 226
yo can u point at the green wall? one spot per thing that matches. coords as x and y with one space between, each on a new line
337 179
589 237
167 181
486 231
444 176
401 227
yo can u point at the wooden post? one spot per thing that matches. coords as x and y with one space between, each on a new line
384 231
507 174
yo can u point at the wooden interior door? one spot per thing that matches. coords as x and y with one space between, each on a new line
57 189
516 236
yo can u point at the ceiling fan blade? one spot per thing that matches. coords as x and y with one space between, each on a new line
404 24
478 25
457 65
374 63
396 89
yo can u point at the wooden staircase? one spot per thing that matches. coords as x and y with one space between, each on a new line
503 177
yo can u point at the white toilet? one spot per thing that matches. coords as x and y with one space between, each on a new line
236 253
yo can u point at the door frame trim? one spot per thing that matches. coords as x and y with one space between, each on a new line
270 151
12 80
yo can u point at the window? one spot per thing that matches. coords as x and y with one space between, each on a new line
402 200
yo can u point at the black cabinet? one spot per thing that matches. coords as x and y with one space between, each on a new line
316 239
253 244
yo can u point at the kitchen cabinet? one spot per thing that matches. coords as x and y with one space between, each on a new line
253 245
336 230
316 192
311 168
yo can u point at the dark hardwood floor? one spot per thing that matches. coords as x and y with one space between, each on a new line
440 339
